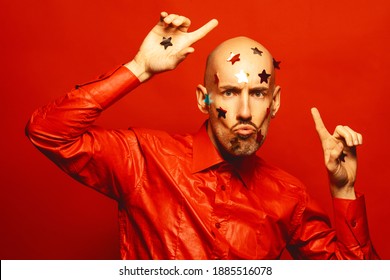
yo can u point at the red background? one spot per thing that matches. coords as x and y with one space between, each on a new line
335 55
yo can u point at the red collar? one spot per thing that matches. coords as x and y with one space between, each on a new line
205 154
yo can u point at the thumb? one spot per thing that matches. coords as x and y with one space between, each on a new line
320 127
184 52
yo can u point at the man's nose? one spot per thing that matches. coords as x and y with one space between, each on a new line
244 111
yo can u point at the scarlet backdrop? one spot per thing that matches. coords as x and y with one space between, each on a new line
335 55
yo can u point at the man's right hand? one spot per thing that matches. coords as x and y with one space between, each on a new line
155 57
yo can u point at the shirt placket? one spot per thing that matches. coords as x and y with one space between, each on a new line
221 213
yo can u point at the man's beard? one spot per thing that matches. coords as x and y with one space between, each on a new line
243 146
238 145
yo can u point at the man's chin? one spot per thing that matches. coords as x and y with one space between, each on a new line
242 147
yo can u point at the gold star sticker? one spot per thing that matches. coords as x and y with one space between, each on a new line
242 77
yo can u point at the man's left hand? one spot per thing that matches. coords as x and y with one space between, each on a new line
340 156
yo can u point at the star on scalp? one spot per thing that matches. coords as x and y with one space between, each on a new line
233 58
276 63
256 51
264 77
242 77
166 42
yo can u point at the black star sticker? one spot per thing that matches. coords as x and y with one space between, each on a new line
276 63
264 77
166 42
342 157
221 112
256 51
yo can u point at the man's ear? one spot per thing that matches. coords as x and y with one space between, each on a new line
201 96
275 101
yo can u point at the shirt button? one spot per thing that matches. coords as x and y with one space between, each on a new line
223 187
217 225
353 223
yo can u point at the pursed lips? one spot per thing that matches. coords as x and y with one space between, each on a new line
244 130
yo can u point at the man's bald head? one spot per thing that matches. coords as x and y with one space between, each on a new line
250 52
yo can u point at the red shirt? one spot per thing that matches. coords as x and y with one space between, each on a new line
179 199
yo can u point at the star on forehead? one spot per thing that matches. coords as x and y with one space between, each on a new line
233 58
264 77
221 112
166 42
276 63
242 77
256 51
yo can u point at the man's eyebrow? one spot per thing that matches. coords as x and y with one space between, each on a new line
235 87
261 88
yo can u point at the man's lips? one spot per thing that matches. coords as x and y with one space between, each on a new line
244 130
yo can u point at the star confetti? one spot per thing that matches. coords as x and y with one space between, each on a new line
216 79
207 99
342 157
259 137
166 42
221 112
233 58
264 77
276 63
256 51
242 77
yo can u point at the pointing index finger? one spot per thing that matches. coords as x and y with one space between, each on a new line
202 31
320 127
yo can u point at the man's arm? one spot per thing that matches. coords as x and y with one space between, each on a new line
352 236
63 129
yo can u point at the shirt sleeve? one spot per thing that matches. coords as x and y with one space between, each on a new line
349 239
64 131
351 226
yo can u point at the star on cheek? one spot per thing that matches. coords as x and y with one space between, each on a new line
207 99
166 42
264 77
221 113
256 51
233 58
242 77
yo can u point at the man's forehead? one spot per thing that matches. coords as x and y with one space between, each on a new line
245 69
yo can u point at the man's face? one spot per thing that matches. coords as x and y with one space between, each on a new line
242 101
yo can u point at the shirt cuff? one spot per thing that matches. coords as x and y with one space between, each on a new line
351 221
109 88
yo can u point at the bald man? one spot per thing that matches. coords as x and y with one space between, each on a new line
207 195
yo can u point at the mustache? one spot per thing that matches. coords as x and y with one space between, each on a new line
245 123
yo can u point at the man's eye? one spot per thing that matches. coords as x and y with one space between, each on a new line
258 94
228 93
